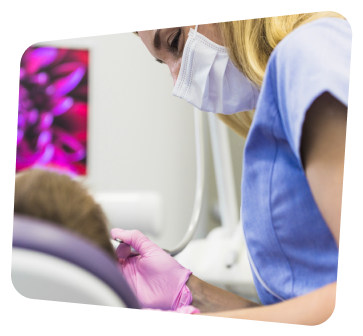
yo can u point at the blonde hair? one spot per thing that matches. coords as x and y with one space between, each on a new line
63 201
250 44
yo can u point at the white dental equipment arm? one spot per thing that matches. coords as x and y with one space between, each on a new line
224 178
222 160
199 191
198 199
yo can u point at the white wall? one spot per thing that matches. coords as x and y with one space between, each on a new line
140 136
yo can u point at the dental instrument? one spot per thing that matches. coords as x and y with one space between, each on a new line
124 250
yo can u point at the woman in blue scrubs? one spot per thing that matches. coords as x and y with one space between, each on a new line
294 71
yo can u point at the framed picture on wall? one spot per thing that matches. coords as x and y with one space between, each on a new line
53 110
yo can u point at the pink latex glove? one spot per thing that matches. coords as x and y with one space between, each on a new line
182 310
156 278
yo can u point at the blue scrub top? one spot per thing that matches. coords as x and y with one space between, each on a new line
291 249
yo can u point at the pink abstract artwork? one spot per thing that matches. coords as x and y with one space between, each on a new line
52 119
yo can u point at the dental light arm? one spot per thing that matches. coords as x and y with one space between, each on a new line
200 158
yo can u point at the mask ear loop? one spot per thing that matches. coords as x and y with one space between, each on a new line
196 30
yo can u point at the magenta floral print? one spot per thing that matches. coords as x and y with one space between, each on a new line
52 119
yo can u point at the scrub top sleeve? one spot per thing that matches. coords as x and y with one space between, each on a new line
313 59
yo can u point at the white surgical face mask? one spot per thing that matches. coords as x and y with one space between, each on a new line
209 81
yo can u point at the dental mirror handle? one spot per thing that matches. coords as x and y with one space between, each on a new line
133 252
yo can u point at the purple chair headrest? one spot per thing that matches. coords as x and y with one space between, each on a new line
43 236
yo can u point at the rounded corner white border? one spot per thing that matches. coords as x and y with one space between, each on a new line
117 28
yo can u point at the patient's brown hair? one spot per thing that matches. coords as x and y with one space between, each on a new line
63 201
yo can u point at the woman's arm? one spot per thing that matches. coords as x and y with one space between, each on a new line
310 309
208 298
322 153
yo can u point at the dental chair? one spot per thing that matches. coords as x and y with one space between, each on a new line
52 263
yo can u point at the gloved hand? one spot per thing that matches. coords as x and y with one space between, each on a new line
182 310
156 278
